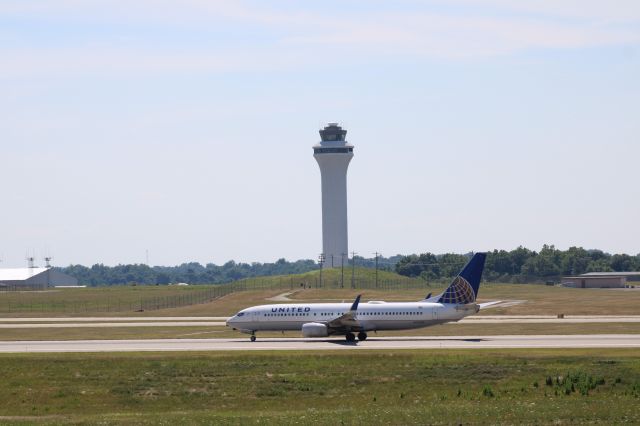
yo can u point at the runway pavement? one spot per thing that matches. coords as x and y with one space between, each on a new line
547 319
117 322
288 344
107 319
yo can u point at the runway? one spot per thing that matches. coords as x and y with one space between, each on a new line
106 319
291 344
117 322
548 319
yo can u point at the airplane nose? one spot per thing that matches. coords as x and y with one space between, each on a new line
230 322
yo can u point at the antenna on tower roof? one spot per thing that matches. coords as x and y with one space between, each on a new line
47 260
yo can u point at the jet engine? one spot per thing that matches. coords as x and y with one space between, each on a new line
314 329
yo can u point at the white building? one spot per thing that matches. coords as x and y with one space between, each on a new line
601 280
33 279
333 155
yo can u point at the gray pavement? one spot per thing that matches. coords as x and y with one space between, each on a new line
288 344
547 319
108 319
116 322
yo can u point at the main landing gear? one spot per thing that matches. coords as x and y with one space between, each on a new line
350 337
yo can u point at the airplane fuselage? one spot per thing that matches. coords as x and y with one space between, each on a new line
326 319
371 316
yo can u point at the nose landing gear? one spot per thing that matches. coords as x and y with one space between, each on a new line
253 336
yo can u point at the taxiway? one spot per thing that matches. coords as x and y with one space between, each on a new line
289 344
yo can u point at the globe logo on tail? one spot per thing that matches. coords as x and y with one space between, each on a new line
459 292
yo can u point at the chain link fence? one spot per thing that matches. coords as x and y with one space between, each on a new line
24 303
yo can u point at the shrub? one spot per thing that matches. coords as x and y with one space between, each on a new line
487 391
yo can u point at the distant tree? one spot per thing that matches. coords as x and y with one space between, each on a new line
519 257
409 266
575 261
520 264
545 264
622 262
501 263
162 278
600 265
451 264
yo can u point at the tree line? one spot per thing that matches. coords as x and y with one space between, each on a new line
520 264
191 273
196 273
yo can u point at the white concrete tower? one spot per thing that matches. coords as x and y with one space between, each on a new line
333 155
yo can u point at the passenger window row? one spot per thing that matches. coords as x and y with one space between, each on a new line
306 314
288 314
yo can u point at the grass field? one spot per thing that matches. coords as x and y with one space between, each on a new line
224 300
391 387
150 300
539 300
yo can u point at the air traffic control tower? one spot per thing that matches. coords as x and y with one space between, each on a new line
333 155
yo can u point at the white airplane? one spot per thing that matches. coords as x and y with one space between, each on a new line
328 319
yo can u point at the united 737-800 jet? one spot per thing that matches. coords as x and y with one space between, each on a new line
328 319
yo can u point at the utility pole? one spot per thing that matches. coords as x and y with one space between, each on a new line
377 269
321 261
353 269
342 271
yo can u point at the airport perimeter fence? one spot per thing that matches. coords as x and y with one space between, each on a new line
29 302
335 283
36 302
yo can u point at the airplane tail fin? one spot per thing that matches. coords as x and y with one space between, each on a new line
464 288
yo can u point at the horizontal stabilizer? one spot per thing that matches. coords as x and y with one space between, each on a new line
487 305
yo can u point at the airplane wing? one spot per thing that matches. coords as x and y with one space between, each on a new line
348 320
487 305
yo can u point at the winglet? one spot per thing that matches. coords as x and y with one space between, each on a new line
354 307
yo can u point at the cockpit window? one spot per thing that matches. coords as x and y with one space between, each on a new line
240 314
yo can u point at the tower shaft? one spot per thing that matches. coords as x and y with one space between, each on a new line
333 155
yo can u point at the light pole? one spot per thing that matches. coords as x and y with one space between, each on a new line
377 269
321 261
353 269
342 270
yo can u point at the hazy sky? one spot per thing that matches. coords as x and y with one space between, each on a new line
185 127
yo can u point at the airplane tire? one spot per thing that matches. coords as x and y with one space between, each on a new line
350 337
253 338
362 336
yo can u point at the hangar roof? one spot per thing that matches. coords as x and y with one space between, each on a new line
610 274
18 274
